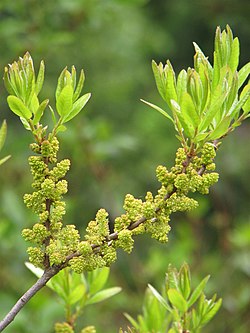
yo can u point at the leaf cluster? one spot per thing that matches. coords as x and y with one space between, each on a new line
178 308
207 102
77 291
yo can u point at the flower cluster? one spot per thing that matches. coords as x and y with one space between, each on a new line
62 246
51 239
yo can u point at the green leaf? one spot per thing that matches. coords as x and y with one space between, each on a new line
157 108
188 111
181 85
61 128
234 56
34 103
97 279
158 72
77 107
221 129
7 82
245 99
197 292
103 294
243 73
242 103
170 86
64 102
132 321
3 132
79 86
4 159
212 311
53 115
180 120
60 83
18 107
159 297
25 123
40 78
184 281
38 272
77 294
176 298
217 99
40 110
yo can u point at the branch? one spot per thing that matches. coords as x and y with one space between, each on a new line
40 283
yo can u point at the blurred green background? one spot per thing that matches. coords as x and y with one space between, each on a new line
115 146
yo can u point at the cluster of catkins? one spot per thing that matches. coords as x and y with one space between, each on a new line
56 244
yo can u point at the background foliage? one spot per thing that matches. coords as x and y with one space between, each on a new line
116 145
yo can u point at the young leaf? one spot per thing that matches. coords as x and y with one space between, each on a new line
220 130
103 294
39 112
38 272
132 321
234 56
197 292
79 86
64 102
157 108
160 298
209 310
53 115
34 103
97 279
4 159
181 85
40 78
77 294
17 106
188 111
170 87
3 132
184 281
60 83
243 73
77 107
158 72
177 300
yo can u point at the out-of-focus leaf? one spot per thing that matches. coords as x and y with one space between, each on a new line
213 309
177 300
184 281
97 279
160 298
197 292
132 321
77 294
103 294
3 132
